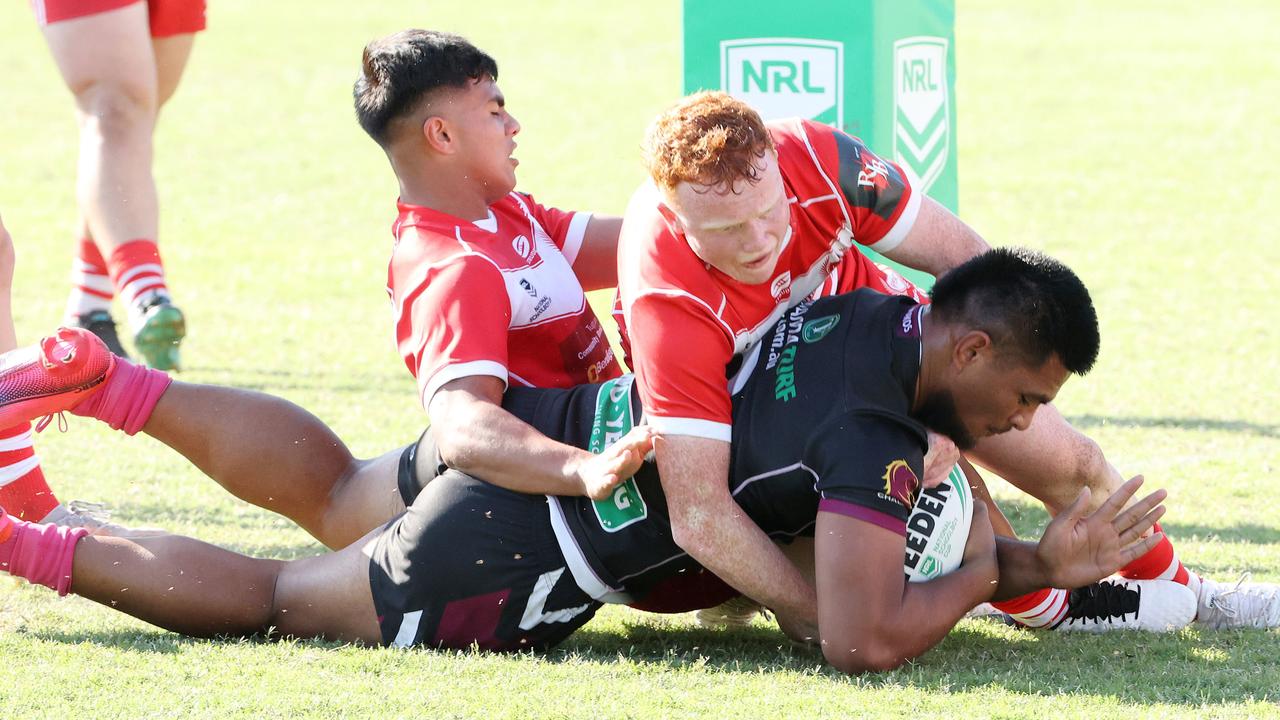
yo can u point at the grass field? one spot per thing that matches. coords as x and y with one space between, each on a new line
1136 141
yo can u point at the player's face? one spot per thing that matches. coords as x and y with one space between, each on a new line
738 231
996 394
486 136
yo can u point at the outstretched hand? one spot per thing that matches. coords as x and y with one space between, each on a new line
616 463
1077 550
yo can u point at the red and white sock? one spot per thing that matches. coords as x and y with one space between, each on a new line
42 554
1038 609
1161 563
91 287
138 275
23 490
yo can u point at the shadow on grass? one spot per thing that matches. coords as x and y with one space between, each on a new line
1223 667
1176 423
1191 669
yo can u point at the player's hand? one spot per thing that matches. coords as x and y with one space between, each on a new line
942 456
600 474
1077 550
980 548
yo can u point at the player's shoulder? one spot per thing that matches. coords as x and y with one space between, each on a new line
654 257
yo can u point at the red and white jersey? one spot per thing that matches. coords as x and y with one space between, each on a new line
495 297
683 321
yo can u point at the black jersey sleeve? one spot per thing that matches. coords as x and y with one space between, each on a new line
868 466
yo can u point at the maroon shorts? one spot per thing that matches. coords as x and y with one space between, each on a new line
168 17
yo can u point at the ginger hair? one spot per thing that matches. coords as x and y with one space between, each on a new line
708 138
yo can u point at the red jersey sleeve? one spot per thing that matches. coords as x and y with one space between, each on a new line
679 352
882 203
452 319
566 229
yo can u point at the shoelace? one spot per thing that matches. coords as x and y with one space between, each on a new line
1229 608
43 422
1102 600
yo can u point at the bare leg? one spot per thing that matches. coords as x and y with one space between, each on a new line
1051 461
171 55
197 589
8 337
108 63
276 455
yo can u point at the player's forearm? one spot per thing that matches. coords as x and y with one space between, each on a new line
725 541
1021 571
931 609
492 444
927 612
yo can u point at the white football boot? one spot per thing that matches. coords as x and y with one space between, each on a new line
1120 604
1243 605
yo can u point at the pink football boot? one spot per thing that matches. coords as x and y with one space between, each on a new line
56 375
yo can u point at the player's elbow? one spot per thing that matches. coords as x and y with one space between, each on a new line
689 535
856 658
456 447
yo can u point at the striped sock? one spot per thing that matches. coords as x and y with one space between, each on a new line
23 490
138 275
1161 563
1038 609
91 287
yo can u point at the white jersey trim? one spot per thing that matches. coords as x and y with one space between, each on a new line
408 629
574 236
489 223
693 427
583 576
900 229
675 293
460 370
774 473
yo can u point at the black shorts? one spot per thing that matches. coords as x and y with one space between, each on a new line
471 564
409 480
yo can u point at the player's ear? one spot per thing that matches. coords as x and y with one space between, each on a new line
438 134
970 347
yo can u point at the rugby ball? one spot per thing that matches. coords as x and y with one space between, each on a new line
938 528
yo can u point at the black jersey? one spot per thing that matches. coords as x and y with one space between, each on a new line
820 421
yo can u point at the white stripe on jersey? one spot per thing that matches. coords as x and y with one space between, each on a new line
574 235
583 576
778 471
813 200
461 370
898 232
673 292
408 629
690 426
519 379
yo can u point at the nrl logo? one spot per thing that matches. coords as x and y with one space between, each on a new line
784 77
921 119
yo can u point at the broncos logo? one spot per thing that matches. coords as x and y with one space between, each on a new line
901 483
